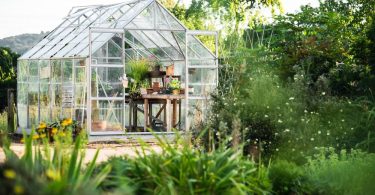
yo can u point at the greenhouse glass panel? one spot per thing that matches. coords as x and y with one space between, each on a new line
22 93
107 115
202 81
44 90
105 82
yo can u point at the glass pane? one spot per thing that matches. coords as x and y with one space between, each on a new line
105 82
33 71
45 72
67 67
202 81
197 113
33 104
107 115
44 102
56 100
22 71
22 91
56 71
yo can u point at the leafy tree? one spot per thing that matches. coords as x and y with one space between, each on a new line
8 64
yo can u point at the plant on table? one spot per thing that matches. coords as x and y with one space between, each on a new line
137 70
174 85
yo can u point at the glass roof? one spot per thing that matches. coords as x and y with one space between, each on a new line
151 29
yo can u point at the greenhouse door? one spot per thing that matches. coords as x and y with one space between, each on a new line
201 76
106 103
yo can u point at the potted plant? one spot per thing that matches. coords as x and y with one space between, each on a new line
170 70
175 86
97 124
156 64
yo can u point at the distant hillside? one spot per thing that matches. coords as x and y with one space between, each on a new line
21 43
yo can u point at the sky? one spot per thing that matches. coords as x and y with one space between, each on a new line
34 16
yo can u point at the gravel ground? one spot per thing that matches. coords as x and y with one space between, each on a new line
106 150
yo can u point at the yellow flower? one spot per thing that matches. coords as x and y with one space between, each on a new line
9 174
42 125
42 135
22 140
36 136
62 134
54 130
18 189
51 174
66 122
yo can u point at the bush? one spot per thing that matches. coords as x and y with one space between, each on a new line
180 169
287 178
329 172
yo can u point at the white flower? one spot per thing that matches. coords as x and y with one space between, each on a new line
323 93
305 111
276 134
279 121
328 133
291 98
266 116
319 132
293 149
343 120
286 130
312 139
277 149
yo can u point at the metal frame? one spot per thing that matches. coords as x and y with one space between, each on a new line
122 30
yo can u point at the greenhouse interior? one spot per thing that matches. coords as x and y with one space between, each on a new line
119 69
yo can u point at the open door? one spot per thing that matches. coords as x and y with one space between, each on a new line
201 75
106 102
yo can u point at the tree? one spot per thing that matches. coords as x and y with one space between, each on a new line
8 64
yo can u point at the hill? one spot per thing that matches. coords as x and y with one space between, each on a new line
23 42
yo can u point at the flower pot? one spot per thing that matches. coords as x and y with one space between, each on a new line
176 92
156 86
170 70
182 91
99 125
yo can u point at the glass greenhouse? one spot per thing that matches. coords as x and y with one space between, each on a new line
80 70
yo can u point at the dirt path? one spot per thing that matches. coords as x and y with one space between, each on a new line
106 151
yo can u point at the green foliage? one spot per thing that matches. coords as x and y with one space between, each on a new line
180 169
328 44
137 69
329 172
287 178
8 64
39 172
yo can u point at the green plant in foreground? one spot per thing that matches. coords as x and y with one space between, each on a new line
180 169
39 172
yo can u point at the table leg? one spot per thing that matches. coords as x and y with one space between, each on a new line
146 114
174 113
168 121
150 114
130 116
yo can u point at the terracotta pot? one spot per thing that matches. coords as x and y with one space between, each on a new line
182 91
170 70
156 86
176 92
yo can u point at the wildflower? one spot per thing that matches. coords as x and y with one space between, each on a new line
293 149
279 121
291 98
328 133
323 93
54 130
312 139
22 140
43 135
66 122
319 132
266 116
277 149
18 189
305 111
36 136
343 120
276 134
42 125
9 174
286 130
287 103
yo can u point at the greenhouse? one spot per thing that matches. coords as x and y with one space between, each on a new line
119 69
